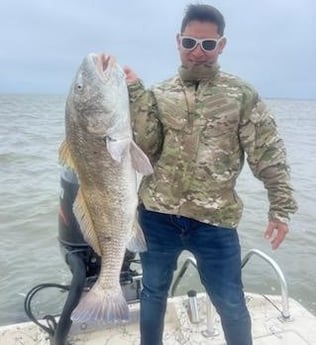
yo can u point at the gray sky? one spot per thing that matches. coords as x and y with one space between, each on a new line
271 43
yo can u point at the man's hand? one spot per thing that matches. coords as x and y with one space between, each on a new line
131 76
276 232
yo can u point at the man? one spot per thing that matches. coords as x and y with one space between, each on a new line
196 128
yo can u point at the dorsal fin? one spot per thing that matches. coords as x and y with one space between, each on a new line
65 157
85 222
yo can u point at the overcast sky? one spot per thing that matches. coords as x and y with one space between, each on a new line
271 43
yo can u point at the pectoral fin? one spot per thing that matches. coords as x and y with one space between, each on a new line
116 148
140 161
84 220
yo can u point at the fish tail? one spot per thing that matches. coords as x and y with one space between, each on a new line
137 242
102 306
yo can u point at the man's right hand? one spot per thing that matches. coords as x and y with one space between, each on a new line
131 76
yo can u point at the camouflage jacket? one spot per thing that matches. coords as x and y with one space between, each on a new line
196 136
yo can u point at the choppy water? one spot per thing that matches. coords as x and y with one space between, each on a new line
31 128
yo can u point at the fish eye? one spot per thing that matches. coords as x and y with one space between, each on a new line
78 84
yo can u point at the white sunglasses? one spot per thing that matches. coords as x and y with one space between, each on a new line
207 44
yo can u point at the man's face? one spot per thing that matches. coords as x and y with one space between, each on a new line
197 55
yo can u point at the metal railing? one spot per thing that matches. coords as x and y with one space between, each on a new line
210 331
189 261
284 289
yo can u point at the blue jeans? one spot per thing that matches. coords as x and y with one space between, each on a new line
217 252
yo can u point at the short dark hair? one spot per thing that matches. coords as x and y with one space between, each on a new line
204 13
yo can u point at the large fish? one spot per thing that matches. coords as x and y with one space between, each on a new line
100 149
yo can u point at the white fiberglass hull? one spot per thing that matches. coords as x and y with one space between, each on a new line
268 326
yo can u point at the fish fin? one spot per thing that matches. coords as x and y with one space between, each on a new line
65 157
85 222
137 242
101 306
116 148
140 161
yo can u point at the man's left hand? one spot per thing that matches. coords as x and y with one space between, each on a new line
276 232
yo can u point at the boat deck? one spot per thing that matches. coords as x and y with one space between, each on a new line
268 326
276 320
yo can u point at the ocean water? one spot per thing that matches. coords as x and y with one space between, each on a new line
31 129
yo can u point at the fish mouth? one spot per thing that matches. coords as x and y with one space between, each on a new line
103 63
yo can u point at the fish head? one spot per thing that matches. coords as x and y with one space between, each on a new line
99 93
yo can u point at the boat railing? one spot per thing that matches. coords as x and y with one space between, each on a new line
284 289
210 310
191 261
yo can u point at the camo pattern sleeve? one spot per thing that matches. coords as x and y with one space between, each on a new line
266 154
147 128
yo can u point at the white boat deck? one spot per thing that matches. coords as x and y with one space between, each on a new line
268 326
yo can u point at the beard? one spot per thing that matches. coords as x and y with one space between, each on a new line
198 71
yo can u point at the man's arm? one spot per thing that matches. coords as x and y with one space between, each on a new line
266 156
147 128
